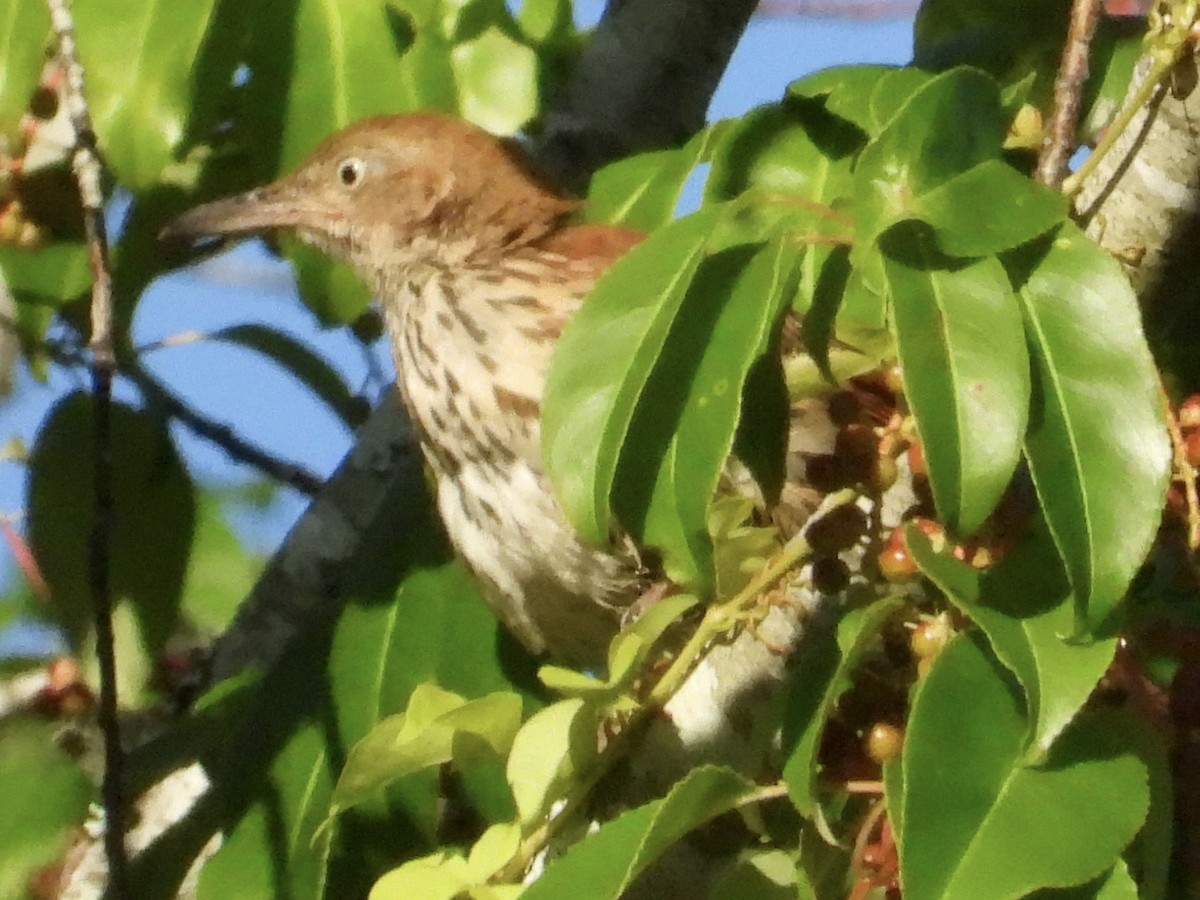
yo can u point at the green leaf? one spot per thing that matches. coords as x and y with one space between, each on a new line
551 749
780 150
788 167
758 875
1023 605
154 505
220 572
1008 38
642 191
425 735
497 81
951 124
494 849
971 809
24 28
604 864
544 20
966 372
439 876
684 428
44 794
346 65
989 208
138 57
407 614
603 363
866 95
822 675
311 369
59 271
1097 443
625 654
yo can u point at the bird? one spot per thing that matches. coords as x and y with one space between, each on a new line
477 263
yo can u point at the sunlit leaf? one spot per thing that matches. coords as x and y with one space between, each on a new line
949 125
1097 443
603 364
24 29
965 369
138 58
976 822
682 434
45 794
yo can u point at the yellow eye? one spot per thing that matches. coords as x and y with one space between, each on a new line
350 171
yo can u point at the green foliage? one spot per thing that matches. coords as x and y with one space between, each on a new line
152 495
399 748
971 809
46 795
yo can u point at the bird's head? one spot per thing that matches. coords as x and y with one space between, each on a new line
397 192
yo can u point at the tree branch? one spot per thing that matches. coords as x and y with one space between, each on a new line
85 161
644 81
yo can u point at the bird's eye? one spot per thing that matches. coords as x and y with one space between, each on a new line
350 171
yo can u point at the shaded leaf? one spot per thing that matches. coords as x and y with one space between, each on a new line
823 673
275 766
605 863
154 506
1024 607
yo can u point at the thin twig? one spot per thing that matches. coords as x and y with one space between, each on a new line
294 475
1184 471
1059 143
85 163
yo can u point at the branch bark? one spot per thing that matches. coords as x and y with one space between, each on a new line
644 82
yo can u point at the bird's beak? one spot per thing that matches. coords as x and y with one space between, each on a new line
275 206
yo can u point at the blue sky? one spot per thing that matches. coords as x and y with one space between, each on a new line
262 403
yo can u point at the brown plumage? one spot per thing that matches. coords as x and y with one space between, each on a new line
477 269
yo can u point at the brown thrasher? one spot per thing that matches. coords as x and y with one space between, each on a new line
477 270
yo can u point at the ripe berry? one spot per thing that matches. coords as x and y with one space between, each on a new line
895 562
884 742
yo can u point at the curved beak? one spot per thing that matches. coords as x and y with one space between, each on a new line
262 209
